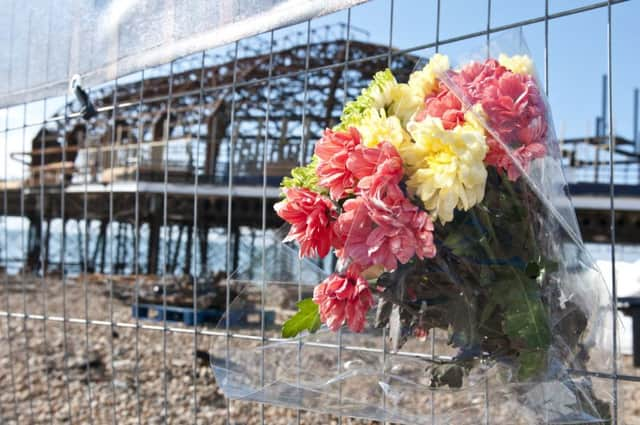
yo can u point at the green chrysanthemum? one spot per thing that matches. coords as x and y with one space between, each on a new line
377 95
304 177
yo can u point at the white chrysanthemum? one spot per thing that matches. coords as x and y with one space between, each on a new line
425 81
405 102
520 64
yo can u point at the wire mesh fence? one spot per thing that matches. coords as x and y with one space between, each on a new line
120 232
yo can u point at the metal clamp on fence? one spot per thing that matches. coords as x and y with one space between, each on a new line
88 111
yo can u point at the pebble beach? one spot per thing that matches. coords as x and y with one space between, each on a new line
96 383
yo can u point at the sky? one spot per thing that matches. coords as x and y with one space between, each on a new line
577 54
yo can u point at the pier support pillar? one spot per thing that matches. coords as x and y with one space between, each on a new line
154 245
188 252
102 241
34 243
176 251
204 244
45 255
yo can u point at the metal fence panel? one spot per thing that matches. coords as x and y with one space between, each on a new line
169 189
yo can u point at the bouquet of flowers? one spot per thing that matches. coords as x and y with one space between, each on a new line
444 202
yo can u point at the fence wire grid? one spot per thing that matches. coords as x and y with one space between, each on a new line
169 189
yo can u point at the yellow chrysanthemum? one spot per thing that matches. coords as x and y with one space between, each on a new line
405 102
520 64
446 169
375 127
425 81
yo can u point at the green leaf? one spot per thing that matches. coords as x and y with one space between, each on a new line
532 270
526 321
487 311
550 266
456 242
307 318
531 362
487 276
462 238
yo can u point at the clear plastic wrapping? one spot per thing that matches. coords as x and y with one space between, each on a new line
46 43
461 290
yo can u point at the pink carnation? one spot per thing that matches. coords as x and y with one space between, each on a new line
423 231
392 240
384 228
375 166
515 112
511 103
472 77
531 149
444 105
344 299
334 149
351 231
310 215
402 231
